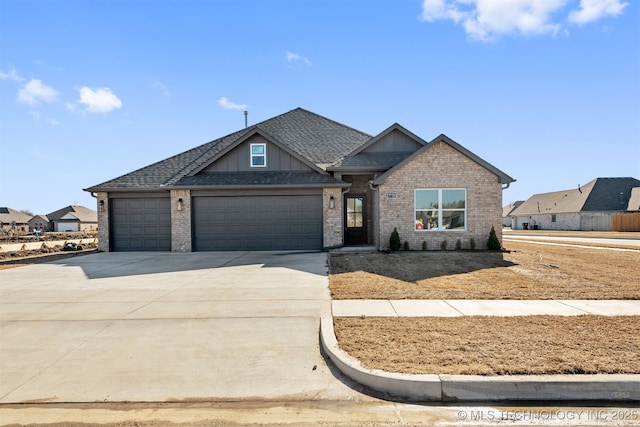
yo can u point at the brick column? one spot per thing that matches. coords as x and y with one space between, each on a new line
103 221
332 228
181 221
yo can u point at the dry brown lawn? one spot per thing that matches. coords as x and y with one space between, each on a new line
526 271
494 345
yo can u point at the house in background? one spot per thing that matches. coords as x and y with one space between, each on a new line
73 218
507 210
302 181
14 221
590 207
40 223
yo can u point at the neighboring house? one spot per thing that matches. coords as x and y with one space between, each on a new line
634 200
507 210
588 207
14 221
302 181
73 218
40 223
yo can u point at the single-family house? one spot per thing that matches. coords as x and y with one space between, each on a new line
40 223
507 210
302 181
73 218
13 222
589 207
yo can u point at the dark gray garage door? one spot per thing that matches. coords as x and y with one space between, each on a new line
140 224
257 223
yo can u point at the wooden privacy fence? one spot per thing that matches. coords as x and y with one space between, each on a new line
628 221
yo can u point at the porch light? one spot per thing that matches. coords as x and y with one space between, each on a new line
101 206
179 204
332 202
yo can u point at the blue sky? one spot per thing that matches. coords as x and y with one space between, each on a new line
549 92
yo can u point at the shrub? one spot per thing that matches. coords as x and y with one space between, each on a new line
443 245
472 243
406 245
493 243
394 240
458 245
424 245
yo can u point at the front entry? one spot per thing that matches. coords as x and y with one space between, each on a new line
355 219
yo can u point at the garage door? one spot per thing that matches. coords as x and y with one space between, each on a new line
140 224
257 223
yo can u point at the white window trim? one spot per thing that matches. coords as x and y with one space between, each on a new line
440 226
252 156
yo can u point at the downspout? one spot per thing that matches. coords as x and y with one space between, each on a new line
376 214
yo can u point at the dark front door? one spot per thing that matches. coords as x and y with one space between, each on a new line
355 220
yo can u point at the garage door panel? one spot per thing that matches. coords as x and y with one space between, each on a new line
141 224
257 222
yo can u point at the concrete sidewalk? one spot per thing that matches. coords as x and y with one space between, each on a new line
456 308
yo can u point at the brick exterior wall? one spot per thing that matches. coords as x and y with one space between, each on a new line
441 167
103 221
333 228
181 221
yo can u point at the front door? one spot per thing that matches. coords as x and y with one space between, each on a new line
355 220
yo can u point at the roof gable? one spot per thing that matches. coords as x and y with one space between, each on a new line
394 139
239 150
502 177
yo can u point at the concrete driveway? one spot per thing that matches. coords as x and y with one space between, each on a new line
146 327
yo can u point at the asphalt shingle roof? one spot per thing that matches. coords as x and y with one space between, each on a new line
7 215
315 138
382 161
82 213
258 178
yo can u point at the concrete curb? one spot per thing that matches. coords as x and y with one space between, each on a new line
477 388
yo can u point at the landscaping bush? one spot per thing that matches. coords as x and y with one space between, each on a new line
493 243
406 245
458 245
424 245
443 245
394 240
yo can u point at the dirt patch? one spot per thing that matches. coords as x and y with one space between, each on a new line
480 345
527 271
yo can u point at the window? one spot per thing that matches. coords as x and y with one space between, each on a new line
355 214
553 218
441 209
258 155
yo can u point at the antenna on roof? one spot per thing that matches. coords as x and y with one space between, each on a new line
246 114
579 189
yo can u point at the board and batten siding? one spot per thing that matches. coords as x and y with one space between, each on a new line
238 159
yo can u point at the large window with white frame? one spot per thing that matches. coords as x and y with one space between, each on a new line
441 209
258 155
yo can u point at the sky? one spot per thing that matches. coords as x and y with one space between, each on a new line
546 91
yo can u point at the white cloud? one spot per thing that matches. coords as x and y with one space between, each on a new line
100 100
593 10
228 105
11 75
35 92
294 57
487 20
